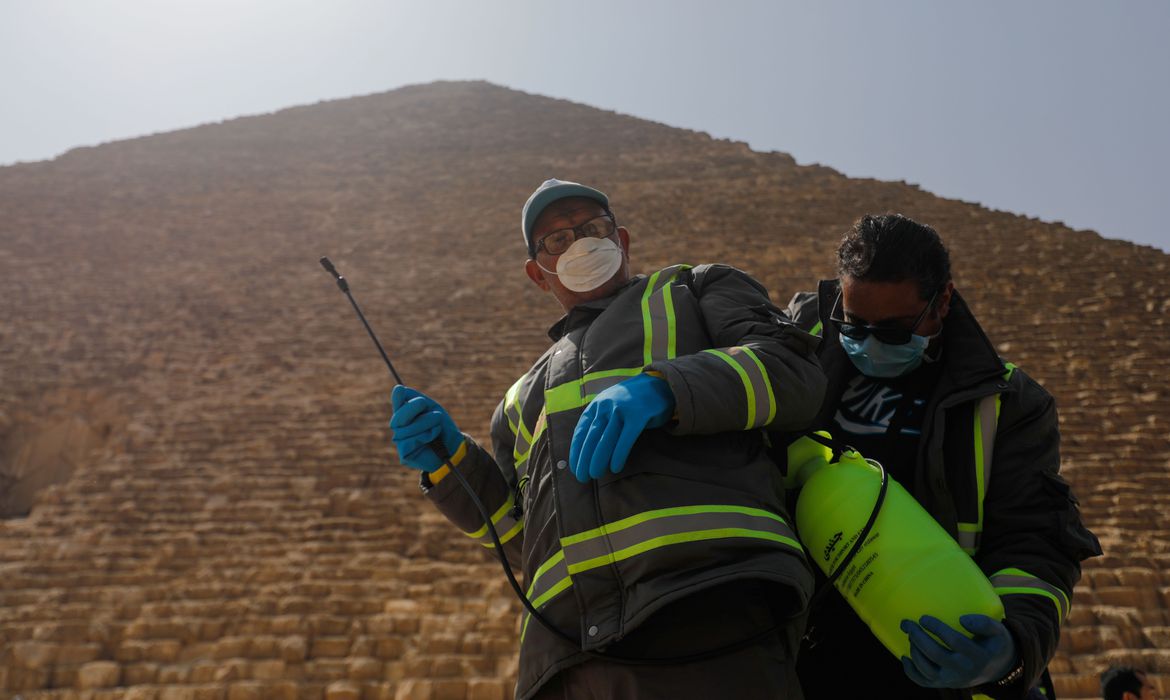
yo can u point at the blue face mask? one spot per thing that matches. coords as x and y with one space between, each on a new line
873 358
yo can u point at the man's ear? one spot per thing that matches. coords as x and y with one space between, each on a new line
532 269
944 300
624 240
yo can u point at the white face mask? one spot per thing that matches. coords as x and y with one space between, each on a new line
587 264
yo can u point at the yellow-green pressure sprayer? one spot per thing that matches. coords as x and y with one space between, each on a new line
907 566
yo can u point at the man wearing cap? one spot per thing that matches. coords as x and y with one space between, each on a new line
628 477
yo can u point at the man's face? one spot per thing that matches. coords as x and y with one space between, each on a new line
893 305
567 213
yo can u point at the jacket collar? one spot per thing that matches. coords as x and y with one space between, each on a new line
584 313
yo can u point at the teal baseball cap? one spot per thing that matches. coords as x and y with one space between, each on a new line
550 191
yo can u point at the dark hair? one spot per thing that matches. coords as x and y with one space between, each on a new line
1119 680
894 248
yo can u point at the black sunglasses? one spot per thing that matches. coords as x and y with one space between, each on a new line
886 334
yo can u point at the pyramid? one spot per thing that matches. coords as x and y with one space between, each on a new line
195 467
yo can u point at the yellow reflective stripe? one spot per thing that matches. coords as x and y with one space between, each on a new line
512 405
986 425
631 521
665 540
541 570
594 383
522 459
667 526
500 512
1020 582
553 590
747 385
816 330
544 588
671 327
647 321
502 519
579 392
516 530
659 342
543 600
514 412
763 376
564 397
642 532
986 420
436 476
660 332
969 537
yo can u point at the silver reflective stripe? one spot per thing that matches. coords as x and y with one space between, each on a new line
761 387
988 421
506 526
648 531
512 404
547 578
550 580
664 528
759 403
522 459
1019 582
514 413
575 393
521 449
660 326
969 539
658 320
986 424
592 387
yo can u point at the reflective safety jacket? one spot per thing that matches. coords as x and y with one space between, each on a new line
698 504
988 471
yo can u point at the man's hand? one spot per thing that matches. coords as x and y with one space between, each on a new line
613 420
968 662
418 419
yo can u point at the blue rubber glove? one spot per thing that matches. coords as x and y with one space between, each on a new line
418 419
968 662
613 420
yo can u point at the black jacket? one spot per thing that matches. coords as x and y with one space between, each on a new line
699 503
1030 540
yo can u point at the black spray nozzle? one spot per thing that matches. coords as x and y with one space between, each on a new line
328 265
344 286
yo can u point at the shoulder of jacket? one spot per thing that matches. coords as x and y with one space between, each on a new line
701 275
1018 387
804 310
523 383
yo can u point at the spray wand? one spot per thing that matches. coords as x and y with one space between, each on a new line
344 286
440 451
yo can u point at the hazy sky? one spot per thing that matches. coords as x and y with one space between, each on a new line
1051 108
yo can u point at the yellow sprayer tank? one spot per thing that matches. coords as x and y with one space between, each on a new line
908 567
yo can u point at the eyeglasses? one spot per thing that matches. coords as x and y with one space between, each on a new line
559 241
887 334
